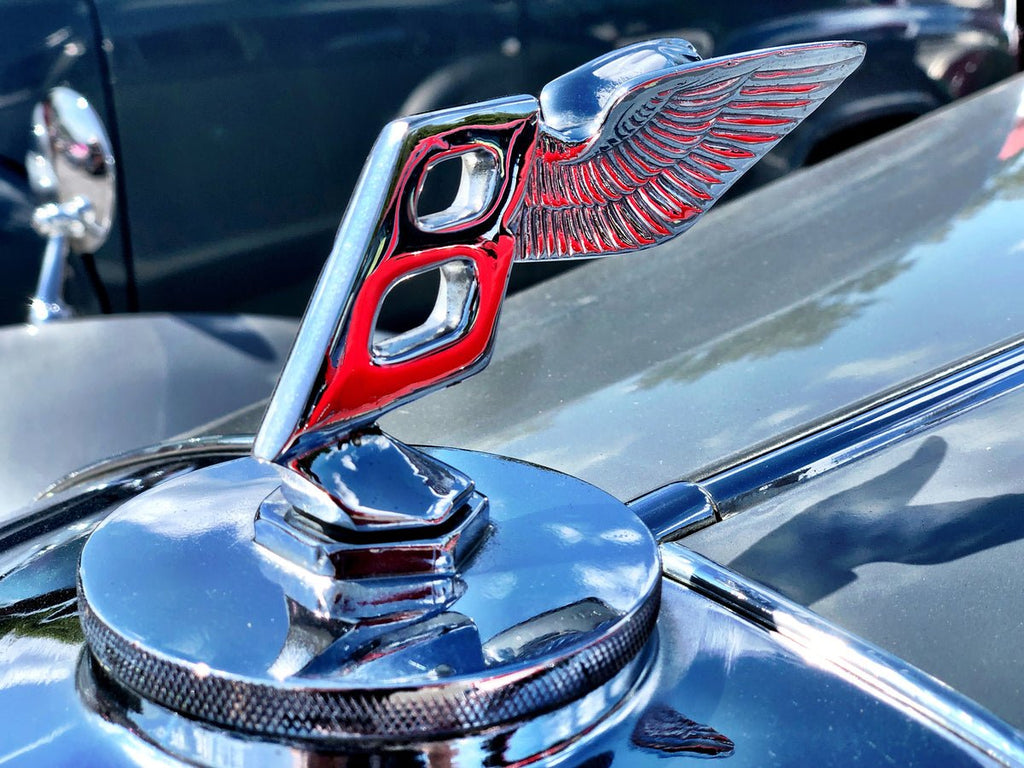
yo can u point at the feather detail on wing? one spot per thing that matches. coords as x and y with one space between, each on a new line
668 145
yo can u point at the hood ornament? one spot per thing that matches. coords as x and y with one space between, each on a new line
619 155
342 588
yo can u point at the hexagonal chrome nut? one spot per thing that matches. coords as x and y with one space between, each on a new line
364 576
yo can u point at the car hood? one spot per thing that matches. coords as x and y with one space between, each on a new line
77 392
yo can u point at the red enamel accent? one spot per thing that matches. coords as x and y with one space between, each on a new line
613 174
686 186
359 385
755 120
629 172
639 160
749 138
758 90
561 152
770 104
777 73
714 165
706 178
727 151
690 115
721 85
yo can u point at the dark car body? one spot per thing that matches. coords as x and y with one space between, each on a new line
813 400
239 127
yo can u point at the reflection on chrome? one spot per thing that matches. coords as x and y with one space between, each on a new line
861 663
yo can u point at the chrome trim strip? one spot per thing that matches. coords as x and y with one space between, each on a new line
861 663
228 445
861 435
675 510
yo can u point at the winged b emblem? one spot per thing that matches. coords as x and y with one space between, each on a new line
636 145
618 155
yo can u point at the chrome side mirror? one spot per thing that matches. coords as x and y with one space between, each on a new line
72 170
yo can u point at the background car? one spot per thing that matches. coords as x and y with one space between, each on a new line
239 127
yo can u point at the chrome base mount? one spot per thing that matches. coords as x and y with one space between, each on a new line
544 593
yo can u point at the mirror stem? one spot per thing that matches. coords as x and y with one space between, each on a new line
48 302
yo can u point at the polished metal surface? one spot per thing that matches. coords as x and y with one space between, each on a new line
242 643
716 684
676 510
859 662
72 169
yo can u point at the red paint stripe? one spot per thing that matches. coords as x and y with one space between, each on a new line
689 115
721 85
632 154
727 151
706 178
756 120
770 104
775 73
714 165
748 138
641 238
649 200
767 89
613 174
689 212
687 187
623 166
